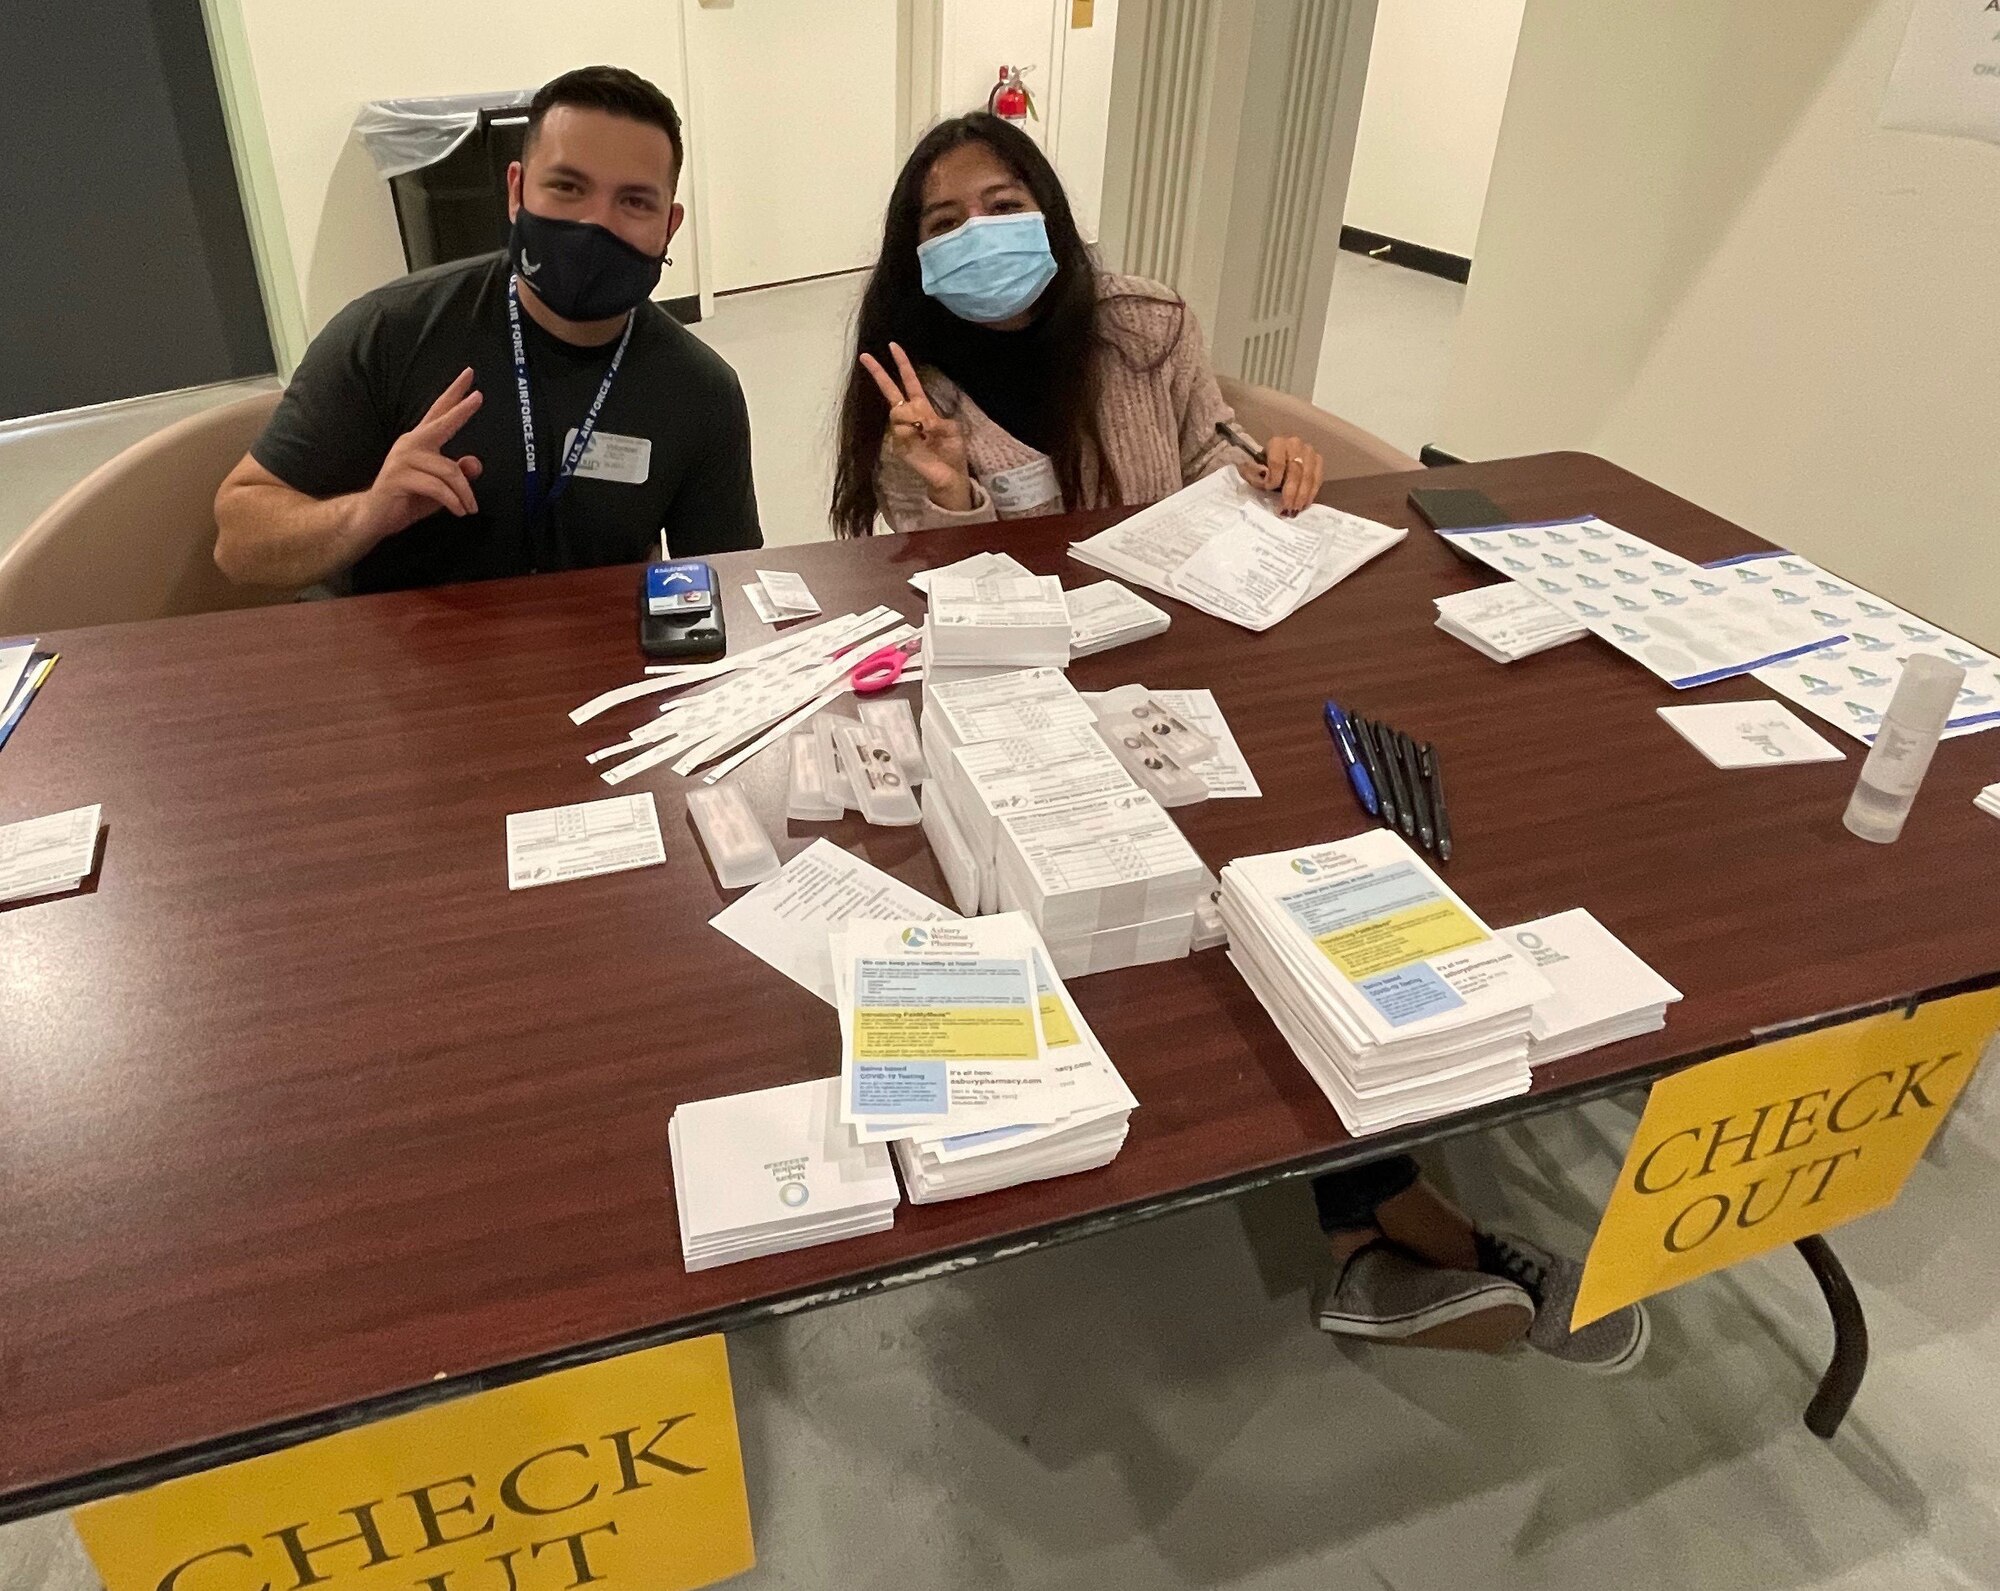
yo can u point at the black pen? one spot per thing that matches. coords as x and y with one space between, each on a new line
1419 795
1385 748
1237 438
1378 772
1427 759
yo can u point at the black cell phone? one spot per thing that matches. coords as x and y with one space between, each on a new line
1456 508
680 613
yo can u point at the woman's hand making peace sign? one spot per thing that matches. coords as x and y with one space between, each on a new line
922 438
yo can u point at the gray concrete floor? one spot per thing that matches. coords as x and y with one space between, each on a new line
1152 1410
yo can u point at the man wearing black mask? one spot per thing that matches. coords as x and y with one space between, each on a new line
517 412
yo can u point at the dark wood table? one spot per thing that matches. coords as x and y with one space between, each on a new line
305 1119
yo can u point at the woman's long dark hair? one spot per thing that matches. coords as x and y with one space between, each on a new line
896 308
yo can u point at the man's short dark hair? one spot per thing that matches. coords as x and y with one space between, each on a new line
611 89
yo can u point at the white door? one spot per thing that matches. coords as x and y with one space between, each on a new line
794 131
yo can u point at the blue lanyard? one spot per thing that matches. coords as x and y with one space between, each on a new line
533 503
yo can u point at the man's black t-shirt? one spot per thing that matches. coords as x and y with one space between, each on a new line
382 362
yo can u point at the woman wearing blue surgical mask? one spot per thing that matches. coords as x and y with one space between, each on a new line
1002 374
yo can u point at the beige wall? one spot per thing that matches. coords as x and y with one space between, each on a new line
1701 258
313 67
1437 83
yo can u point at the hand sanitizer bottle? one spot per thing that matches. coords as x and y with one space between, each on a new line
1903 747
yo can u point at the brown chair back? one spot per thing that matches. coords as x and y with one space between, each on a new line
1347 449
135 539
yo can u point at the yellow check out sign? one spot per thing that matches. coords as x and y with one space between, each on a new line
1769 1145
624 1475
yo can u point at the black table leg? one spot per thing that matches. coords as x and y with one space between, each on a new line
1837 1388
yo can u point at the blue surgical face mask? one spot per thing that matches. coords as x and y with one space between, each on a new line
992 268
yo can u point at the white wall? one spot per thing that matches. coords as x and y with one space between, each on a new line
314 65
1070 80
1702 259
1437 83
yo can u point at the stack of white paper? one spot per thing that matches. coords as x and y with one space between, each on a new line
793 920
45 856
998 617
1109 881
1218 546
1107 615
1689 626
1988 800
940 1027
1398 1000
1033 772
1599 991
1094 1098
980 563
1506 622
772 1171
785 920
963 711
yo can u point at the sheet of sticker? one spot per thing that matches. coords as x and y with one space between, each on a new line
1653 605
1849 684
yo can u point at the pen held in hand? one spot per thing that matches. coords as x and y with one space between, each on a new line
1239 439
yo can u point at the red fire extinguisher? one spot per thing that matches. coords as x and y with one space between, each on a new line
1010 99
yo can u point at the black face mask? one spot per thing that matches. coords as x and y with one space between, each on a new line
579 269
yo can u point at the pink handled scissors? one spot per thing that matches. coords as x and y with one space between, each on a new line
881 671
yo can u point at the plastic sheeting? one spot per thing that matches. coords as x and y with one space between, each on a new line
405 135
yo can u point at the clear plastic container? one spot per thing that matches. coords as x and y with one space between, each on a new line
891 718
1169 731
738 848
1156 771
1903 747
826 726
880 789
810 797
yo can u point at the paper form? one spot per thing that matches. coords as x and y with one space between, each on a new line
1101 614
978 563
784 920
15 655
1255 575
1098 843
1219 546
1227 774
998 600
557 844
787 591
43 855
1507 621
940 1019
1009 704
1027 773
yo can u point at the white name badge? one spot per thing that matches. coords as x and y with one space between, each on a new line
1024 489
627 460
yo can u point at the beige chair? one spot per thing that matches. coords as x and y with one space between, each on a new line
1347 449
135 539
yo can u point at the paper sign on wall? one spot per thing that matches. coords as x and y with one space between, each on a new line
1947 77
624 1475
1772 1144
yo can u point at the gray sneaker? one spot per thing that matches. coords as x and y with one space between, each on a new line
1606 1347
1385 1296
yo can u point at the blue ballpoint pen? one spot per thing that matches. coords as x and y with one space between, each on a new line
1350 757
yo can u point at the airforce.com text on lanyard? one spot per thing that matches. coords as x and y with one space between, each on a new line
533 503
